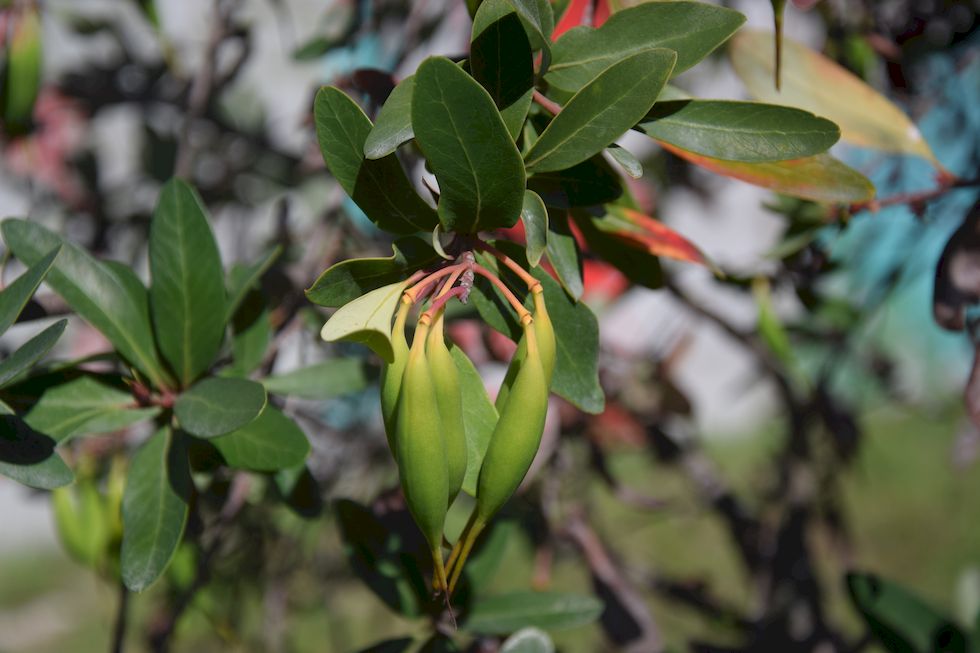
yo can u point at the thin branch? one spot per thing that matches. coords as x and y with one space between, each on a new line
550 106
119 625
916 198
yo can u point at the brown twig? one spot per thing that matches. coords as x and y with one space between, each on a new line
550 106
946 183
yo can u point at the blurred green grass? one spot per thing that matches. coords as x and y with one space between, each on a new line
912 515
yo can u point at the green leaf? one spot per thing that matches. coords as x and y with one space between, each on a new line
82 522
219 405
85 405
154 508
367 320
900 620
692 29
528 640
564 255
464 139
243 279
630 164
348 280
187 291
813 82
30 352
539 21
501 61
639 266
602 111
534 215
508 613
15 296
479 417
251 333
394 123
589 183
269 443
379 187
22 77
740 131
93 291
29 457
820 178
332 378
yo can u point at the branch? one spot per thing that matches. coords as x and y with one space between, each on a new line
918 198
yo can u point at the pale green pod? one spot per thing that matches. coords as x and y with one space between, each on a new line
391 374
421 445
445 378
517 435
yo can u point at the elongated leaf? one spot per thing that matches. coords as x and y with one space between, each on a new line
244 279
900 620
30 352
367 320
692 29
602 110
820 178
379 187
589 183
626 160
154 509
479 417
500 59
535 218
813 82
22 78
85 405
653 236
15 296
251 332
348 280
636 263
332 378
267 444
564 254
740 131
507 613
393 125
528 640
93 291
219 405
29 457
187 292
479 169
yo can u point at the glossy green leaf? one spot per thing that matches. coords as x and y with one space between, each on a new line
348 280
589 183
534 215
813 82
15 296
602 110
500 59
336 377
154 508
367 320
219 405
245 278
820 178
740 131
379 187
464 139
564 254
479 417
528 640
508 613
30 352
900 620
29 457
85 405
626 160
22 77
692 29
93 291
393 125
267 444
187 291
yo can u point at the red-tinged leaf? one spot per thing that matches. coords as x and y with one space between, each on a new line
651 235
820 178
575 14
602 12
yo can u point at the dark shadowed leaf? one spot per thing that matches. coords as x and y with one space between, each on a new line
154 509
266 444
29 457
639 266
464 139
30 352
219 405
507 613
390 646
245 278
379 187
500 59
15 296
393 125
589 183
